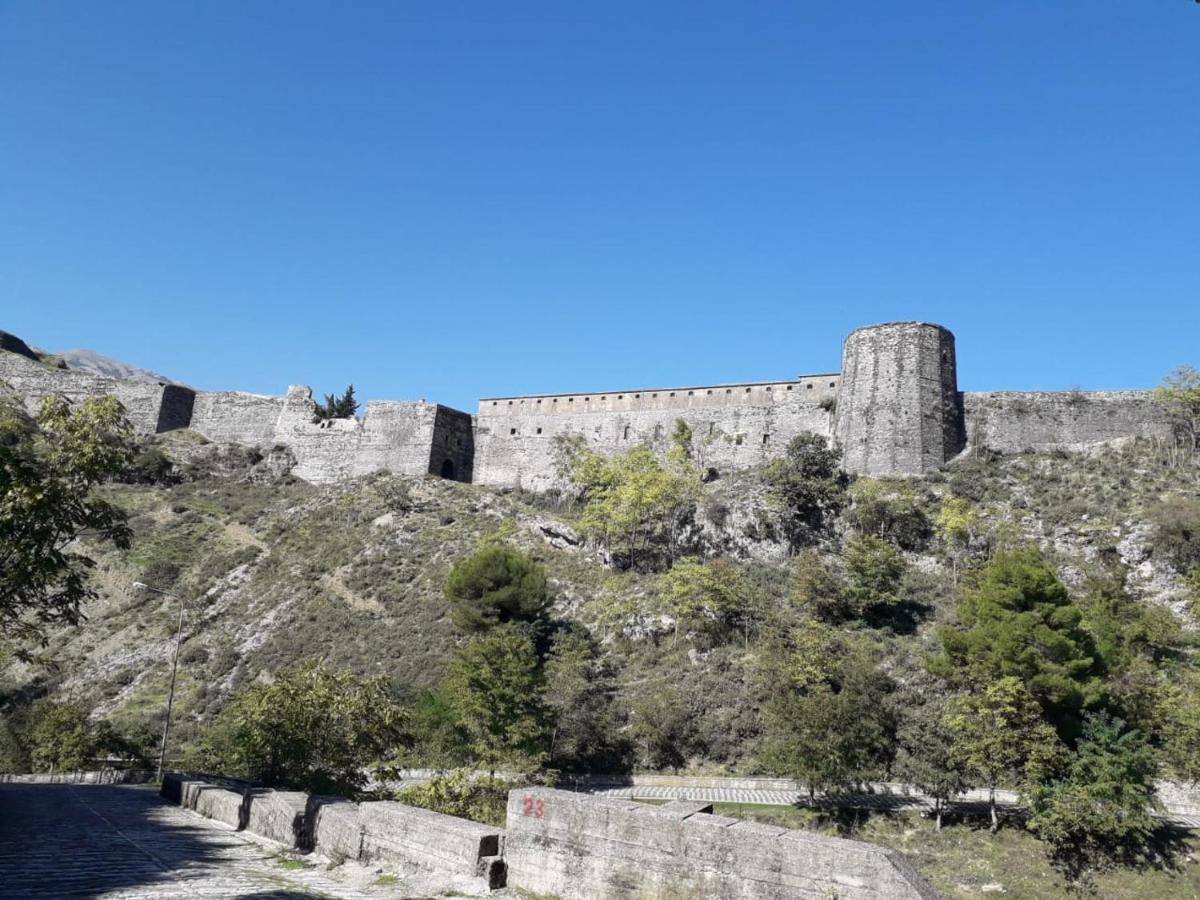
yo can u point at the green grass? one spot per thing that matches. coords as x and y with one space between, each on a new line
961 859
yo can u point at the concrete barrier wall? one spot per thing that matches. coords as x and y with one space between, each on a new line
393 832
278 815
334 825
577 847
375 832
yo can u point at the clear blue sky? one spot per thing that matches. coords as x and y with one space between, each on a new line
451 199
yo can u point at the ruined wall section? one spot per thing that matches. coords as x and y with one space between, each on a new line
391 435
1014 421
144 401
899 410
236 417
733 426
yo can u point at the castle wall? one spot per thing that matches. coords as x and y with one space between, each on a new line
143 400
392 435
1013 421
236 417
733 425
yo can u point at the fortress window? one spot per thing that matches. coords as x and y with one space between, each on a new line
587 399
672 393
539 401
510 403
493 403
789 387
766 438
833 384
555 400
738 440
539 431
747 390
570 399
808 386
625 434
637 396
620 396
511 432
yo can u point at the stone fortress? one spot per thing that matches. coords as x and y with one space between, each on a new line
894 409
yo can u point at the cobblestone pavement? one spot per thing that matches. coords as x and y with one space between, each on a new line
792 798
108 841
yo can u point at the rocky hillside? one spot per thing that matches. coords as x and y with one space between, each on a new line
274 570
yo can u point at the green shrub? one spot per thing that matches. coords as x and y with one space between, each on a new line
495 585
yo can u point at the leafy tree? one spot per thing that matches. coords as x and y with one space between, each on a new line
494 585
888 509
709 596
661 727
994 732
1178 718
874 569
495 685
633 503
314 729
925 749
956 523
1016 619
1179 394
681 440
577 692
827 711
1093 806
337 407
438 737
816 589
48 470
808 486
60 737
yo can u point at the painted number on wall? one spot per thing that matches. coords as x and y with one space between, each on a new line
531 806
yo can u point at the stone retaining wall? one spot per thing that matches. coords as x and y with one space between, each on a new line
578 847
375 832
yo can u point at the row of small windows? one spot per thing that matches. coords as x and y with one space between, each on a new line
604 397
737 438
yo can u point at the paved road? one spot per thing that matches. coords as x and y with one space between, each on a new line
126 842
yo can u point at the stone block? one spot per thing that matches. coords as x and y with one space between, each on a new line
278 815
393 832
333 827
217 803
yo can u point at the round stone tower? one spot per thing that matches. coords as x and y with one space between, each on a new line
898 407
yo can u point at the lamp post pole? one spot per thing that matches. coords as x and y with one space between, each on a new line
162 750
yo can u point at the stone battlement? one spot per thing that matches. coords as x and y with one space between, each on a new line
894 409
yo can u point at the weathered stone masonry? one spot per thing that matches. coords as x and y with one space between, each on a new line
894 409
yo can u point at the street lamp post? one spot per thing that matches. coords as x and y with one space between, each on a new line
162 750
